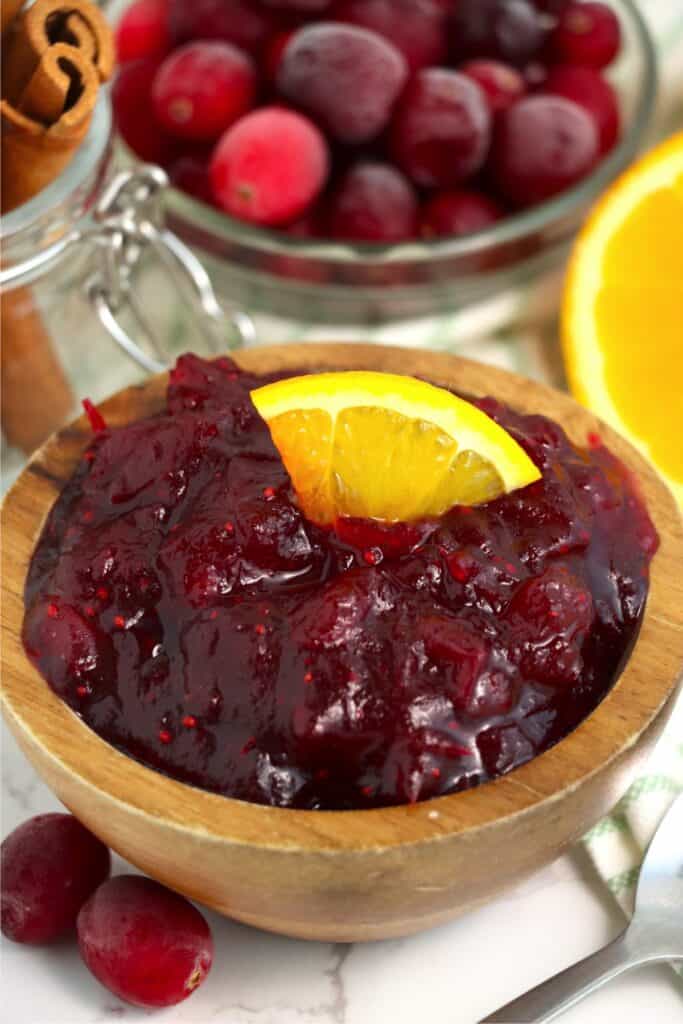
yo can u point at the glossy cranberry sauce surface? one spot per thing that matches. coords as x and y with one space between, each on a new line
180 602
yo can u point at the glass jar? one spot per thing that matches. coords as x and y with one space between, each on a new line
76 320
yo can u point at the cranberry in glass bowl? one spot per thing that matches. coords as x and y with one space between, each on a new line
345 280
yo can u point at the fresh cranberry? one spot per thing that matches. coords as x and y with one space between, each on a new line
345 77
202 88
441 131
592 91
49 867
241 22
458 213
144 943
587 34
269 167
507 30
542 145
134 115
502 84
415 27
143 31
373 203
190 173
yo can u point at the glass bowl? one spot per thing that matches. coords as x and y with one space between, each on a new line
329 282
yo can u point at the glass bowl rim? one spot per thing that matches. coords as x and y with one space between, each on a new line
185 209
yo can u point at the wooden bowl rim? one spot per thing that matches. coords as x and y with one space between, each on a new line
38 714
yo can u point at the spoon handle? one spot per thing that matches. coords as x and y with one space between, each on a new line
548 1000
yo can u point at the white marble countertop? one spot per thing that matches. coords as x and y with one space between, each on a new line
452 974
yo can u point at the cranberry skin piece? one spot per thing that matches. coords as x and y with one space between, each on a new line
134 116
590 90
143 31
501 84
441 131
202 88
269 167
588 34
144 943
374 203
542 145
190 173
240 22
50 865
416 27
458 213
507 30
346 78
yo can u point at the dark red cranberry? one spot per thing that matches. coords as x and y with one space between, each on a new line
143 31
502 84
345 77
415 27
144 943
242 22
202 88
272 55
458 212
542 145
592 91
553 7
373 203
441 130
587 34
134 115
269 167
507 30
49 867
190 173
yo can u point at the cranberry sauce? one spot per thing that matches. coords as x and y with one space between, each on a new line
179 601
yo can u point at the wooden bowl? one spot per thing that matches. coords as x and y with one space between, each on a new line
347 875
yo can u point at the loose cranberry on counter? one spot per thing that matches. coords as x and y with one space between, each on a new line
501 83
346 78
269 167
415 27
134 114
458 213
587 34
507 30
143 31
441 131
202 88
374 203
144 943
49 866
542 145
590 90
241 22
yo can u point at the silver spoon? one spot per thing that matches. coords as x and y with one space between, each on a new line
655 933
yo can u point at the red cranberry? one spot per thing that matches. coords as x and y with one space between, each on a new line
441 131
345 77
134 116
507 30
542 145
143 31
202 88
241 22
458 213
144 943
502 84
269 167
190 173
588 34
373 203
591 91
50 866
415 27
